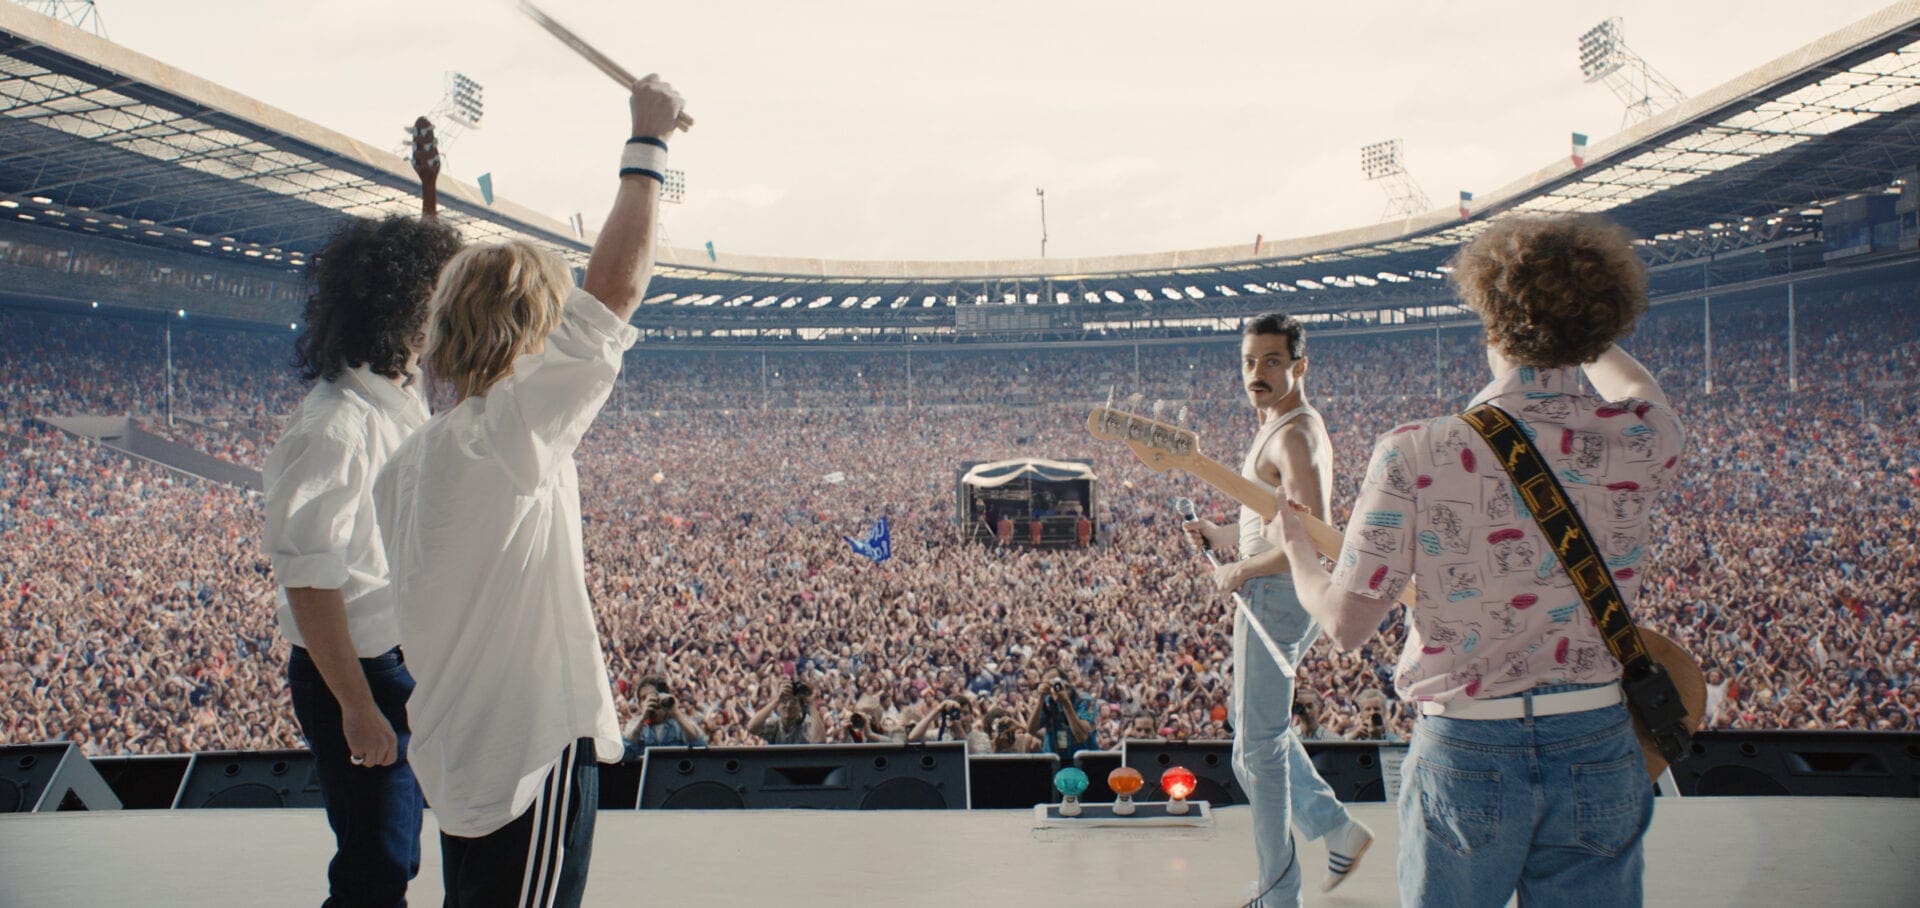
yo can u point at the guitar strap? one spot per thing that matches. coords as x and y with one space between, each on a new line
1651 694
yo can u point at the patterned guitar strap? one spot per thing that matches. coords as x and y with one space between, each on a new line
1651 694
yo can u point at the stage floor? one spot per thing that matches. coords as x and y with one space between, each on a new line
1830 852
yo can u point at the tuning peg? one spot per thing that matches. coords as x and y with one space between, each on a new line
1180 418
1132 403
1109 397
1158 405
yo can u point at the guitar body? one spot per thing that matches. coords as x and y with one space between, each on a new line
1164 447
1687 678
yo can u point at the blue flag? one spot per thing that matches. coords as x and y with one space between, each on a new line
486 187
878 546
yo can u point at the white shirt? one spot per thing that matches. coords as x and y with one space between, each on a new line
480 511
321 531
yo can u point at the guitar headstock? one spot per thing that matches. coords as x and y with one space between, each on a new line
1160 446
426 151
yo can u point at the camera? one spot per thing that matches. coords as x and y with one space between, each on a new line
664 702
1058 685
952 712
1002 726
1377 720
1300 709
801 690
859 720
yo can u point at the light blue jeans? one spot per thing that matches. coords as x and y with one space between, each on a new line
1273 768
1555 807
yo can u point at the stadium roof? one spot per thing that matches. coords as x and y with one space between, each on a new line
95 137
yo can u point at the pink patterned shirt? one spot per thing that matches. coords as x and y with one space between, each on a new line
1494 612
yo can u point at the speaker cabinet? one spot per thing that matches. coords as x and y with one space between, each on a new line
1818 763
822 776
1096 764
144 782
50 777
1350 768
1211 763
1006 781
619 786
265 778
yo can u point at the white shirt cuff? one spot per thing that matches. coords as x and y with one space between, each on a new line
320 571
598 320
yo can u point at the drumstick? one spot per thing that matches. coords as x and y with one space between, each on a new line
601 61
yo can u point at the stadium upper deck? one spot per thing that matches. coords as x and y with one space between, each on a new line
1729 188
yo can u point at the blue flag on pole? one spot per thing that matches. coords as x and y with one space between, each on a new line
878 546
486 187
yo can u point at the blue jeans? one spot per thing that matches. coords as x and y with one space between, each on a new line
1556 807
1268 758
374 810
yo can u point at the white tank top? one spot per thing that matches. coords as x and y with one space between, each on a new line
1252 540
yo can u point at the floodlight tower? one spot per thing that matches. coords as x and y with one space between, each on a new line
1382 164
1605 57
77 13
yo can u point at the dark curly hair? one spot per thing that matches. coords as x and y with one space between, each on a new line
1553 292
1284 325
370 287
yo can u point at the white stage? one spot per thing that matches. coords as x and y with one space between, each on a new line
1826 852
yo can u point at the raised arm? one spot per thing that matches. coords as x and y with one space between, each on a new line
1617 375
622 259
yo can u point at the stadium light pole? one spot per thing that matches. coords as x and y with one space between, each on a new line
1605 57
1042 193
1382 163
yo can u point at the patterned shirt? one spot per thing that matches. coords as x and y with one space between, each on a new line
1495 614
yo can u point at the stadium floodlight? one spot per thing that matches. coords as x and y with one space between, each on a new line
465 99
1381 159
1384 163
1605 57
674 189
77 13
1600 50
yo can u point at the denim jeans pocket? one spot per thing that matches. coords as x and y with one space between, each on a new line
1461 808
1608 804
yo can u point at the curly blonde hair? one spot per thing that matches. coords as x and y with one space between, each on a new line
492 304
1553 291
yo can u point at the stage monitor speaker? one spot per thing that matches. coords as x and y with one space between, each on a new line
261 778
1815 763
144 782
1005 781
1350 768
819 776
619 786
55 776
1211 763
1096 764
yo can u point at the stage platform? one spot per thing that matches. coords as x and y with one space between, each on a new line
1826 852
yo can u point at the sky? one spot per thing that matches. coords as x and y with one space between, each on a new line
883 129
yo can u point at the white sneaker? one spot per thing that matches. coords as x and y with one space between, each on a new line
1344 849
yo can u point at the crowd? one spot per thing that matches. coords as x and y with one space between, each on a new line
138 607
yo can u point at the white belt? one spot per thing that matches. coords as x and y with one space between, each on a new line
1572 701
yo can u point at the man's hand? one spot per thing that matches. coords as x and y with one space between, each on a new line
1207 534
655 107
1286 526
370 738
1228 578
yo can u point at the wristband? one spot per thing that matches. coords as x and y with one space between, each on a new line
645 156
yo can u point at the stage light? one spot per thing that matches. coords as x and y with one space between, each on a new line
182 313
1071 782
1177 782
1124 781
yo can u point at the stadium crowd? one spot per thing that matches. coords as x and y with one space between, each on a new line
138 607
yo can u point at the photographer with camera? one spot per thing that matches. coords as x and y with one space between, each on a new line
865 726
795 721
1063 718
1373 719
952 720
660 723
1306 717
1004 735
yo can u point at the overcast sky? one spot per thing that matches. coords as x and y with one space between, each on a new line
885 129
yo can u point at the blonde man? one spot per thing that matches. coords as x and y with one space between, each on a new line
480 513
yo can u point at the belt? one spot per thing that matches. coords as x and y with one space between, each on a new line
1528 704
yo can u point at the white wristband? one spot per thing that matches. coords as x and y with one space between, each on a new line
645 156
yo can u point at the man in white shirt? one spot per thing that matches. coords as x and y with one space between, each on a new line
480 514
364 325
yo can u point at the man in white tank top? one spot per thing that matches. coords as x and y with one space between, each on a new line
1290 452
